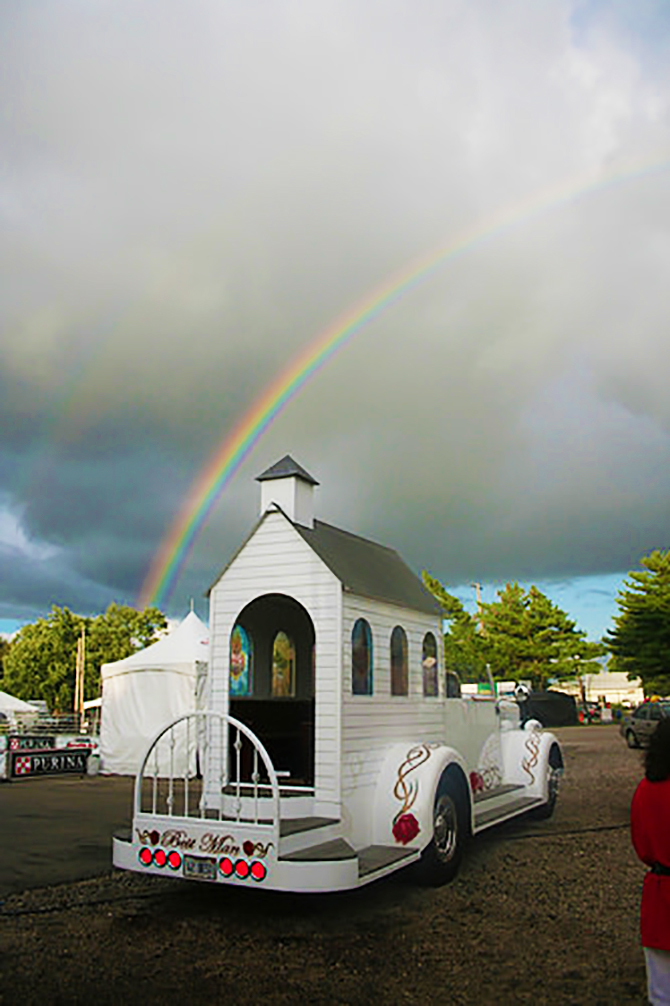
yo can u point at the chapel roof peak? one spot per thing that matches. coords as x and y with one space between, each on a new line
286 468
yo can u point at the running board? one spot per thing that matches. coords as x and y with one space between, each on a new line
491 794
486 818
375 860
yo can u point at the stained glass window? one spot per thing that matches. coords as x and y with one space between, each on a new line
283 667
429 665
241 663
361 658
399 677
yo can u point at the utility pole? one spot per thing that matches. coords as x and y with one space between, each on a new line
478 592
79 674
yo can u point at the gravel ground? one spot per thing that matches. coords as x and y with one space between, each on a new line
540 913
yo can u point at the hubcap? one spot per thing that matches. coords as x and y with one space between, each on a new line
445 827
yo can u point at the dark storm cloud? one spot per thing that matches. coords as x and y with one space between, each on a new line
188 195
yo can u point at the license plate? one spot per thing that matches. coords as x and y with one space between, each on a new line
199 868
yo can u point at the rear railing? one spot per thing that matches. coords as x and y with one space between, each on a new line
208 765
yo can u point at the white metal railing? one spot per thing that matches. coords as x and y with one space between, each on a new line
208 765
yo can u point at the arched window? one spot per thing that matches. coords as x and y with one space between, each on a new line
429 665
241 663
361 658
399 676
283 667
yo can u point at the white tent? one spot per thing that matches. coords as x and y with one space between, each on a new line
148 690
10 705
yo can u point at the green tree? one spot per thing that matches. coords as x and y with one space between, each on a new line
41 662
640 640
4 650
120 632
527 636
463 649
42 659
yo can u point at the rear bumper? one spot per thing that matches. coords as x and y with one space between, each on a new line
241 865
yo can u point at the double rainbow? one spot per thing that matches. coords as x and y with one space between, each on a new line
207 488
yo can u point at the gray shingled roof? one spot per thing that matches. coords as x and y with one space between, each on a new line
285 469
368 569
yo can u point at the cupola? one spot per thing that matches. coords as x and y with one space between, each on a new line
287 485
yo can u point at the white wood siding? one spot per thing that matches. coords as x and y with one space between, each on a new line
370 723
277 560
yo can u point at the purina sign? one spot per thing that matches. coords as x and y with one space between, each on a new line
58 762
30 742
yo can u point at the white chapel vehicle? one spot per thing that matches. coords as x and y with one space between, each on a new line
329 754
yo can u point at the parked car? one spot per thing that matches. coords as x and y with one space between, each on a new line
638 726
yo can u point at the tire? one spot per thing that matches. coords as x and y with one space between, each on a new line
631 739
554 769
441 859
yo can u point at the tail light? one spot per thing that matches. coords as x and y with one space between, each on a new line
160 857
174 860
258 870
242 869
145 856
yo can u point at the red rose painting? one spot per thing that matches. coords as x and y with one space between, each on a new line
405 828
476 782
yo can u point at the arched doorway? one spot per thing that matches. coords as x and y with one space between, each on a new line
272 682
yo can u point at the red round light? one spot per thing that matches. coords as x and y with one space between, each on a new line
145 856
174 860
160 857
258 870
242 869
226 866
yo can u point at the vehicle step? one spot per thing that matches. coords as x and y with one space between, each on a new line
489 794
511 809
377 857
295 825
265 792
326 852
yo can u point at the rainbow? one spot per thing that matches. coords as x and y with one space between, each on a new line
208 487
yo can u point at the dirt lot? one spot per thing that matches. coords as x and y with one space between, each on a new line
540 913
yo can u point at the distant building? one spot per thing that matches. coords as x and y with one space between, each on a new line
611 687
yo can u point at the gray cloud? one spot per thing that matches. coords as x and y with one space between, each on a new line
190 194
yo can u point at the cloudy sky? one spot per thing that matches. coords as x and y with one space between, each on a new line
190 192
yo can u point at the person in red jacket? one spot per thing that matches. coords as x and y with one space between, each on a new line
650 832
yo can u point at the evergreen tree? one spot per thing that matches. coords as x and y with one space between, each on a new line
521 636
463 651
527 636
640 641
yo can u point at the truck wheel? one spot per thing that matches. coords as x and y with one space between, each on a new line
441 859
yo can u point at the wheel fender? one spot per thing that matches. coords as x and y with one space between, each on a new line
405 792
526 757
533 753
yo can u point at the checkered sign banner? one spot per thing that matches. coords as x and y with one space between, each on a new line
22 765
63 761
